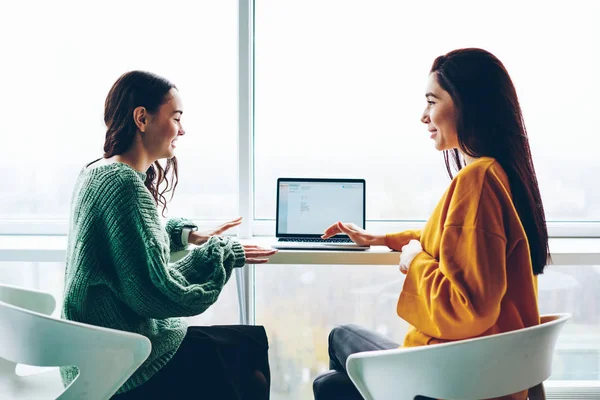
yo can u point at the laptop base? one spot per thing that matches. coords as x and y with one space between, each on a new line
318 246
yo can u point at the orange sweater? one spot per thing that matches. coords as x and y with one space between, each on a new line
474 276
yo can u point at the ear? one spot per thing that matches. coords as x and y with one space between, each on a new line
140 117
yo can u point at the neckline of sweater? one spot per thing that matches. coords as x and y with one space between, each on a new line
116 165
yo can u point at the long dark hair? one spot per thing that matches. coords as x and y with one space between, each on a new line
490 123
134 89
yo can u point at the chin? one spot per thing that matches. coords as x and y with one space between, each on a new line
170 154
442 146
167 156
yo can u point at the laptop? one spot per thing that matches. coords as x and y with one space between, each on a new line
306 207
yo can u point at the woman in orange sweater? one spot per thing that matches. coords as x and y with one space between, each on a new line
471 271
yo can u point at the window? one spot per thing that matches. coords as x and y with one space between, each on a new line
573 289
58 66
339 91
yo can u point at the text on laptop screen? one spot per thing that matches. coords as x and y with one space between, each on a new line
308 208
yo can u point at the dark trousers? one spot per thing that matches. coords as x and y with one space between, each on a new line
343 341
213 362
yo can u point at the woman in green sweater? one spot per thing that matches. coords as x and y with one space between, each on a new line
118 273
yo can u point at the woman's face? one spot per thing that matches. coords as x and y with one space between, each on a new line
164 128
440 115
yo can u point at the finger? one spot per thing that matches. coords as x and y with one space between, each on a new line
256 260
257 250
263 253
234 222
331 231
228 225
260 253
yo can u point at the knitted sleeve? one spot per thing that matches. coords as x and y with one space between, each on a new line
174 227
143 277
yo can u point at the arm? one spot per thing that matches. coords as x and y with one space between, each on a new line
458 296
395 241
139 252
188 287
198 265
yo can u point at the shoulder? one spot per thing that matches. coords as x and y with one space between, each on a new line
482 173
479 194
116 175
486 174
115 184
479 170
116 198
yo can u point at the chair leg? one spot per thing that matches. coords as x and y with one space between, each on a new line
537 392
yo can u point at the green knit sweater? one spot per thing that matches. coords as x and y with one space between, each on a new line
118 273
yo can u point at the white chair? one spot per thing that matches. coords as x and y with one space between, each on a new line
479 368
106 358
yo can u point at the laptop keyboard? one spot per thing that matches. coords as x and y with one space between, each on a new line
316 240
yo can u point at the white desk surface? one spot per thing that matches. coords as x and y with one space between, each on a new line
564 251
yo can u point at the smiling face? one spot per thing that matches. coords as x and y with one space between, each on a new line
162 129
440 116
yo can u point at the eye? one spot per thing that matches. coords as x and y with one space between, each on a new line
430 102
178 119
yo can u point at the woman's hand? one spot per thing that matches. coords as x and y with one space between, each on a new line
256 254
356 234
409 252
199 238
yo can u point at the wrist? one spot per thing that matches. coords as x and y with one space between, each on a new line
376 240
197 238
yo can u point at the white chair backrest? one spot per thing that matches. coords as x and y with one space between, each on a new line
29 299
106 358
479 368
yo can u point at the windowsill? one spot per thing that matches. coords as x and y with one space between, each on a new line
22 248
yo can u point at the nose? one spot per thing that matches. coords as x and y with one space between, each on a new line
181 131
425 117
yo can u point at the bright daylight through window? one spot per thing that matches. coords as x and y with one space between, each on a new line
58 67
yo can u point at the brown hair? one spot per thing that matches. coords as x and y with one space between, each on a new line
490 123
134 89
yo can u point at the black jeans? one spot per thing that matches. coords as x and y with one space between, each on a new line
343 341
213 362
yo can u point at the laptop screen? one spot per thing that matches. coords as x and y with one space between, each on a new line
306 207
